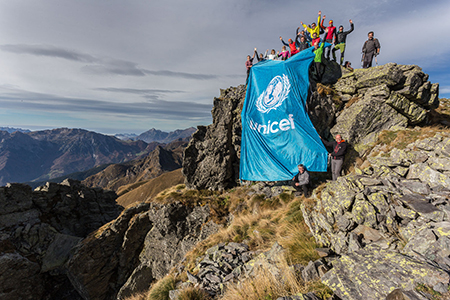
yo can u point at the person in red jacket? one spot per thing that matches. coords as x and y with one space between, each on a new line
337 155
291 45
330 35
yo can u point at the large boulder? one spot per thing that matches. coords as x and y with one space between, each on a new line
390 97
372 275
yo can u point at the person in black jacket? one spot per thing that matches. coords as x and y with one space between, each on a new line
340 40
337 156
301 181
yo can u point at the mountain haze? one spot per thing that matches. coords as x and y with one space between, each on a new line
42 155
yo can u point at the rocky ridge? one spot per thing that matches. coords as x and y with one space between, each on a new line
388 97
38 230
142 245
389 222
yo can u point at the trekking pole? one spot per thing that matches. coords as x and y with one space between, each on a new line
376 60
362 59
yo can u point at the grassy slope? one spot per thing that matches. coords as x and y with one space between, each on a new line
144 190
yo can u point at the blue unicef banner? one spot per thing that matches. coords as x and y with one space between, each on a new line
277 133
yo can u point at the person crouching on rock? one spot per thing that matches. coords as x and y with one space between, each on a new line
337 156
301 181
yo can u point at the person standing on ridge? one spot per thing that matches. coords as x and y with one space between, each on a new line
337 156
301 181
370 49
318 51
330 35
249 64
340 40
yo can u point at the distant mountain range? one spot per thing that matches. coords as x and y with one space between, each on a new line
12 129
155 135
42 155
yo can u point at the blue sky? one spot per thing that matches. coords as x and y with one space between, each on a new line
127 66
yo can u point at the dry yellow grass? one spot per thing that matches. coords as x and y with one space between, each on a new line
160 290
138 296
261 229
266 285
141 192
192 293
351 101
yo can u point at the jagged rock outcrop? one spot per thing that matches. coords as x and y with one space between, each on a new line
387 97
390 221
39 228
211 160
142 245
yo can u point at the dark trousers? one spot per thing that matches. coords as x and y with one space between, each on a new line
368 60
319 70
327 50
300 188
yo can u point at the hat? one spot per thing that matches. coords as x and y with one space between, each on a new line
289 40
331 21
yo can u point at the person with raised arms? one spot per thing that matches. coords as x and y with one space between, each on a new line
314 28
329 36
340 40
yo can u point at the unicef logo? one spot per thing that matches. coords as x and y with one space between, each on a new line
274 95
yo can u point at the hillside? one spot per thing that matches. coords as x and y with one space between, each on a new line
41 155
146 190
154 164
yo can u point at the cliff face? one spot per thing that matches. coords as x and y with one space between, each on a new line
211 160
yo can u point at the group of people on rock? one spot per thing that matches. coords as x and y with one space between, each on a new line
310 36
